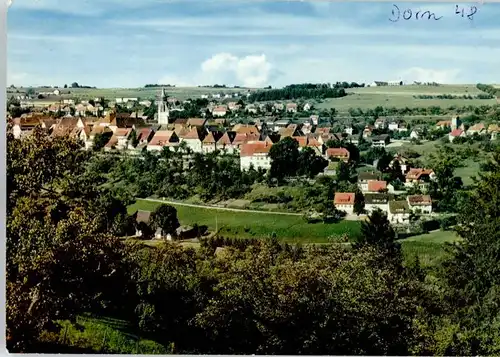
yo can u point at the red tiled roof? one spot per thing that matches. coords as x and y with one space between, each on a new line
193 134
122 132
245 129
258 147
343 198
376 186
162 138
338 152
196 122
416 173
456 132
209 139
420 200
224 140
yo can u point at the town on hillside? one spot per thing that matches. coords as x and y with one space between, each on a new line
245 128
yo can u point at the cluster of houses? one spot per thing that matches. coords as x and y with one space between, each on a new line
378 194
458 130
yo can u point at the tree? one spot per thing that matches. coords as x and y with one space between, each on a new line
359 203
30 92
284 158
165 218
65 86
74 85
378 232
344 172
134 140
310 164
100 140
55 245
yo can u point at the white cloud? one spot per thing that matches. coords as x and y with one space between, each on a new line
431 75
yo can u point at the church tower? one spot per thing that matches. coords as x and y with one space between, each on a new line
163 112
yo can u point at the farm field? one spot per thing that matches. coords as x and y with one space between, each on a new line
292 229
402 96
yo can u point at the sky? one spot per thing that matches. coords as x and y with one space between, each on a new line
127 44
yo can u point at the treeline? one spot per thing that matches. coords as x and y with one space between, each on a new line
488 89
159 85
452 96
294 92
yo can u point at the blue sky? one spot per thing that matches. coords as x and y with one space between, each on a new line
125 43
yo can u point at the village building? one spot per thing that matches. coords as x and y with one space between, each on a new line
209 143
193 139
381 141
420 203
380 123
456 133
338 154
477 129
376 186
163 138
375 201
344 201
255 154
364 178
219 111
291 107
399 212
225 142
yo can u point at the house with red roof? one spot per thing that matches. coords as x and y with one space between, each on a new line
209 143
344 201
377 186
163 138
337 154
256 154
420 203
456 133
225 142
193 139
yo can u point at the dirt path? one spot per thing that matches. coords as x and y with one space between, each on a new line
219 208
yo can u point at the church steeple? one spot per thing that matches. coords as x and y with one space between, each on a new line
163 112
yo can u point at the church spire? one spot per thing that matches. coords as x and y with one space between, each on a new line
163 112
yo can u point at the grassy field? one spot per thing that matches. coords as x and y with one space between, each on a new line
107 335
430 248
402 96
291 229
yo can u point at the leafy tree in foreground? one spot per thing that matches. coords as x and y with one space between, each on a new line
378 232
284 157
60 260
165 218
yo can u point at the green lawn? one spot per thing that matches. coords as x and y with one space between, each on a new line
106 335
470 169
430 248
402 96
292 229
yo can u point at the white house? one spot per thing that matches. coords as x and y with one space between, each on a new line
399 212
255 154
193 140
420 203
344 201
375 201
